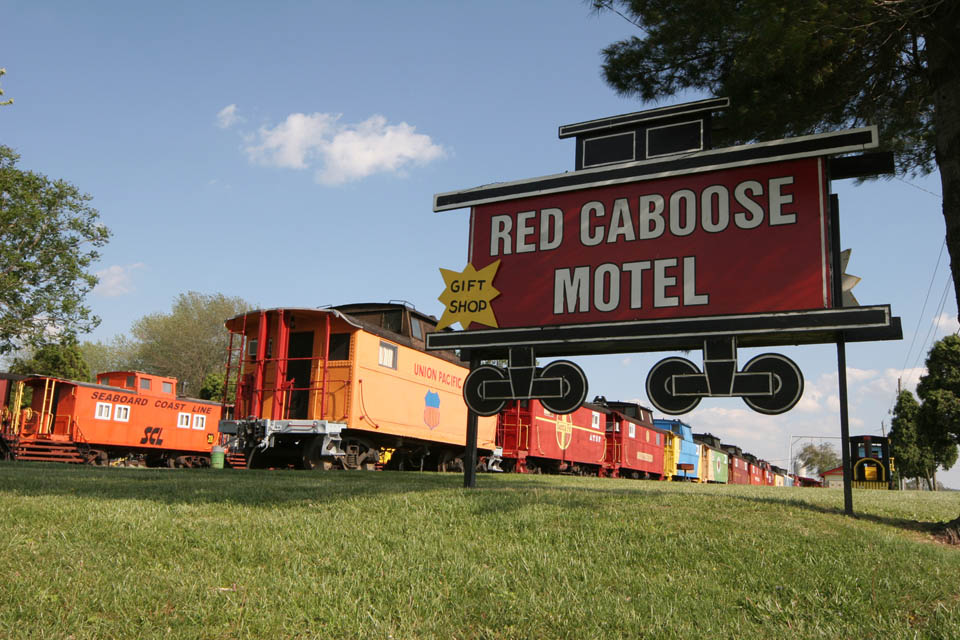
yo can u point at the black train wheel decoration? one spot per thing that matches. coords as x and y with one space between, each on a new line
769 383
787 383
561 386
660 386
574 387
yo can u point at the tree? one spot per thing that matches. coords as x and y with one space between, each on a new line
62 360
190 342
48 236
802 66
914 456
120 354
822 457
939 390
212 388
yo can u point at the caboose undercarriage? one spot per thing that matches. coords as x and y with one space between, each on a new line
323 445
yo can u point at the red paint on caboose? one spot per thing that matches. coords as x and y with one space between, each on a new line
129 414
738 470
634 445
534 439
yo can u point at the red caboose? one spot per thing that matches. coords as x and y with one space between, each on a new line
634 445
739 468
756 472
535 440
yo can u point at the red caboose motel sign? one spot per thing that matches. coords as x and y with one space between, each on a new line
739 240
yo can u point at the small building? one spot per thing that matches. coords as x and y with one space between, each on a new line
833 478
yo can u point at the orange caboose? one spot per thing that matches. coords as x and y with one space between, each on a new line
131 416
350 386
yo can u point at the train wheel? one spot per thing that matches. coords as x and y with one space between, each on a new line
312 459
97 457
255 459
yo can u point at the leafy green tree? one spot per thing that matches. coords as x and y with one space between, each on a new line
821 457
62 360
798 66
190 342
48 236
119 354
939 390
914 456
212 388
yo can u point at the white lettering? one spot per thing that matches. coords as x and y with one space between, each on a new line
523 231
606 277
689 212
756 211
621 222
551 218
651 211
571 289
500 227
636 269
661 281
690 296
778 199
719 194
592 208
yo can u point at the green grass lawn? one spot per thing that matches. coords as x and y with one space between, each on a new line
135 553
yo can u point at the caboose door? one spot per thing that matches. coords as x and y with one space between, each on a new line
300 354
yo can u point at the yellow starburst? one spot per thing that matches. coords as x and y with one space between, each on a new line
468 295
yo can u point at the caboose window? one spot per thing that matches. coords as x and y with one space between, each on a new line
252 349
168 387
392 321
388 355
145 383
121 413
339 346
415 329
633 430
130 382
183 421
199 421
104 410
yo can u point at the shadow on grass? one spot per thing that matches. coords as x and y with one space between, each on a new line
946 532
495 495
199 486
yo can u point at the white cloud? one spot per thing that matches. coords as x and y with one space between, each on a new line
947 323
341 152
227 117
116 280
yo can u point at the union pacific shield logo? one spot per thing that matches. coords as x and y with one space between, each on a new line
431 410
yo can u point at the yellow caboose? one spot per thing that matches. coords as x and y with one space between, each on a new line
350 386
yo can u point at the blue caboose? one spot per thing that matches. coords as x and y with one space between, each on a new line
687 455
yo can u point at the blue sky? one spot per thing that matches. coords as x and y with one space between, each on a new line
289 155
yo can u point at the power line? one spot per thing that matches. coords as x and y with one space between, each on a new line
923 308
933 326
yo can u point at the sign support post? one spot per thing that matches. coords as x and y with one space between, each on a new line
470 455
844 427
841 360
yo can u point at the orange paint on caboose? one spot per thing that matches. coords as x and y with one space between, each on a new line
341 368
126 410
